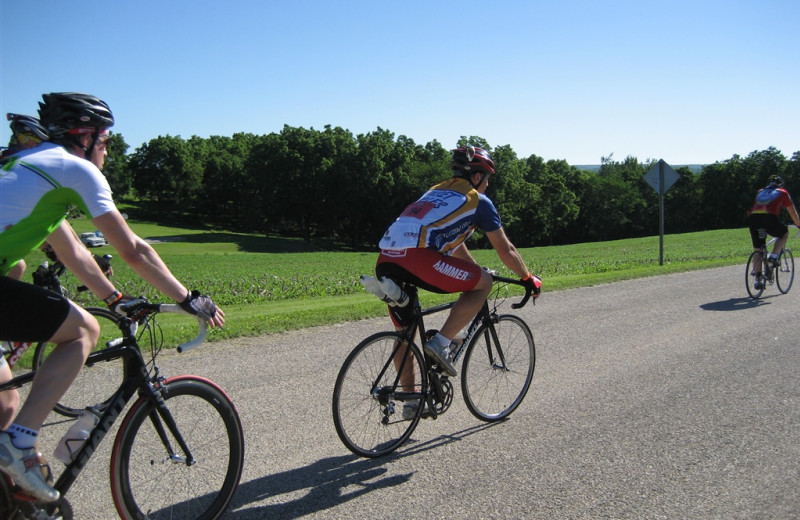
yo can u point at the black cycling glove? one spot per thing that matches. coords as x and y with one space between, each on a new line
199 305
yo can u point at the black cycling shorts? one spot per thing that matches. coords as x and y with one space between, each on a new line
29 313
768 222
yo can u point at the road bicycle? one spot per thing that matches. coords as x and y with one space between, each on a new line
49 275
84 391
780 273
386 384
179 450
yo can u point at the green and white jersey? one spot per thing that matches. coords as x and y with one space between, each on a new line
38 188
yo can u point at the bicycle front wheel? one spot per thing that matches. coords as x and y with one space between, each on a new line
95 384
153 478
498 368
751 277
379 395
784 274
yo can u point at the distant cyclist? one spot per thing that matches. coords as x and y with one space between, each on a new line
26 132
37 189
426 246
765 214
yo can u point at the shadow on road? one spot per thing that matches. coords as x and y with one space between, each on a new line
330 481
736 304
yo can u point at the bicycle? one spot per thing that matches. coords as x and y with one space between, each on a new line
179 451
83 392
375 388
48 275
780 273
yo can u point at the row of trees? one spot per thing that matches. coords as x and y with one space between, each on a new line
332 184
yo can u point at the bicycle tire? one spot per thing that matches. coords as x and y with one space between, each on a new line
95 384
367 404
784 274
147 483
750 280
498 370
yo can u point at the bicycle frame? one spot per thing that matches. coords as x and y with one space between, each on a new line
417 328
138 378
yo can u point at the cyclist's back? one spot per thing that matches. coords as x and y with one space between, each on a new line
426 245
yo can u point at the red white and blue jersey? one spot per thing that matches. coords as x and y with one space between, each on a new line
442 219
771 200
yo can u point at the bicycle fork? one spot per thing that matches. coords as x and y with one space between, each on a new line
160 416
498 361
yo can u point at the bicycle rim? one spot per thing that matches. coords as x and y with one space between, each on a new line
368 401
750 280
95 384
497 371
784 274
147 484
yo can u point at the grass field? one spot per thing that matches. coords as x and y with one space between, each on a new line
270 284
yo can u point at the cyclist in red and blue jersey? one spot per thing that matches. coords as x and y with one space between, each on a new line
765 214
426 246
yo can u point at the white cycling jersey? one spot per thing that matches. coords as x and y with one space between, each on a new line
38 188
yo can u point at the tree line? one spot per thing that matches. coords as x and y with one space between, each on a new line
330 184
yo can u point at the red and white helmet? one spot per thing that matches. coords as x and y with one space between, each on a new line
470 159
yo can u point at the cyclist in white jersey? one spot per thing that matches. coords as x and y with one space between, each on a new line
37 189
27 132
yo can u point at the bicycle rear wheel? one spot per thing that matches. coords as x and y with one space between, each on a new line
149 481
750 280
369 397
498 368
95 384
784 274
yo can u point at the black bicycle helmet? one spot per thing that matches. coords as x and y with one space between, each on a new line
468 160
64 113
26 125
775 180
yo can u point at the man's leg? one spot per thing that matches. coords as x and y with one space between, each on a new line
9 400
467 306
74 341
779 244
757 261
19 458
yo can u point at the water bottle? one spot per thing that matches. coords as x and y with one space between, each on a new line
374 286
394 292
385 289
76 436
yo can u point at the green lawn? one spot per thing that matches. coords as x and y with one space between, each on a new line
271 284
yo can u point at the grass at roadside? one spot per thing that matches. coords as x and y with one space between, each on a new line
270 284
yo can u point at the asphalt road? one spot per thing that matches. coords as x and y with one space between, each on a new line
669 397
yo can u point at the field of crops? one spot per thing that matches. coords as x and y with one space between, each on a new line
269 284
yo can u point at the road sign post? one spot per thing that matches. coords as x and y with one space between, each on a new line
661 177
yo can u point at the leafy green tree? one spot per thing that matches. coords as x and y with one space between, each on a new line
225 180
727 189
169 172
116 166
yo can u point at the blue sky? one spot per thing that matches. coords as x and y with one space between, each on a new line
685 81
